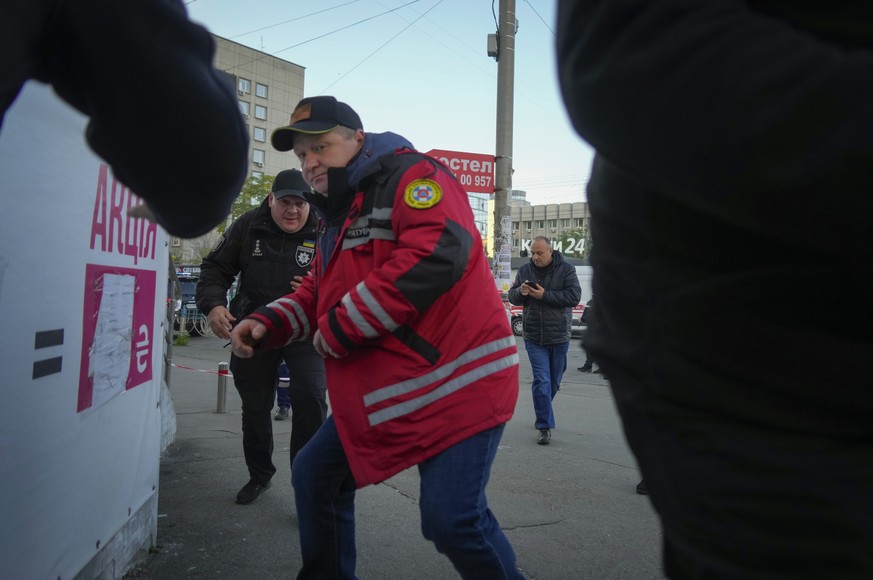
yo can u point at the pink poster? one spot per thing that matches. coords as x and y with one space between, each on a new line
118 315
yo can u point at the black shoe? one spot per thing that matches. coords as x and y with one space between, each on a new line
251 491
544 437
586 368
641 488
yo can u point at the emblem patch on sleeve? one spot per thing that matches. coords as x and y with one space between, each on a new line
304 255
422 194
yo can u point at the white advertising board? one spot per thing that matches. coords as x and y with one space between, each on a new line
82 289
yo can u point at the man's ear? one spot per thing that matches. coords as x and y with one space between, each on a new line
270 199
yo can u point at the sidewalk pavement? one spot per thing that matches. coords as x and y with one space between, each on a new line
568 508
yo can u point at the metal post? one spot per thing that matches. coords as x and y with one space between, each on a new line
503 150
221 405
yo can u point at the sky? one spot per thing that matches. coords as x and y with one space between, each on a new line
420 68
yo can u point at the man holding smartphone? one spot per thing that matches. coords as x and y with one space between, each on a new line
548 288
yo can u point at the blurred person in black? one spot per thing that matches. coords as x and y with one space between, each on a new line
164 119
588 365
733 175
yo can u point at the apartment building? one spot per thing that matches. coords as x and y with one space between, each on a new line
267 89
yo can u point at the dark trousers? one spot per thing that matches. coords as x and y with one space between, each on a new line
255 380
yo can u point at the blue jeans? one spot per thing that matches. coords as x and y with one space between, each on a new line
454 511
548 363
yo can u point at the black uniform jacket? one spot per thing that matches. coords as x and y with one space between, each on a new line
266 258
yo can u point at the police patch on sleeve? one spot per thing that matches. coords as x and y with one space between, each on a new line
422 194
305 253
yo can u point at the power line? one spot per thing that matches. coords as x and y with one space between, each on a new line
540 17
404 29
324 35
438 40
557 179
293 19
537 101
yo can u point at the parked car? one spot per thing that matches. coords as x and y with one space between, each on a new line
517 322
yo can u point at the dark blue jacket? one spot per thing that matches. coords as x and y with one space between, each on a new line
548 321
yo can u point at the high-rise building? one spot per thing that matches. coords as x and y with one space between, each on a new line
479 205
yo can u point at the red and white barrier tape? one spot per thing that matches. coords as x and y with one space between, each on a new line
219 372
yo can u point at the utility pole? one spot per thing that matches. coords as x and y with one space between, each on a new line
503 151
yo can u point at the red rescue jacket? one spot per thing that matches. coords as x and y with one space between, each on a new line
409 298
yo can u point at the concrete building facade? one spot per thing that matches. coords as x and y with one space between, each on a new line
267 89
553 220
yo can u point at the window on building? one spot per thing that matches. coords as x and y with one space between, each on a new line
260 112
527 226
260 134
578 222
261 90
258 156
541 224
244 108
565 224
553 225
515 226
245 86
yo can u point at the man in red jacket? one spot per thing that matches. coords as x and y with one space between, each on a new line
411 382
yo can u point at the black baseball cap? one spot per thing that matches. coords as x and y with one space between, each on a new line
313 116
290 182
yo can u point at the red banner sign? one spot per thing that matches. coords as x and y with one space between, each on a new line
475 171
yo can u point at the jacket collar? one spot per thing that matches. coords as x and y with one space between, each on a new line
344 182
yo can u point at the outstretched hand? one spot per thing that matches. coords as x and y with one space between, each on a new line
246 337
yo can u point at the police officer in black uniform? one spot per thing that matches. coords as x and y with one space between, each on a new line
271 248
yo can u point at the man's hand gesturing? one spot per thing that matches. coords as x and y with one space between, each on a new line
246 337
220 321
